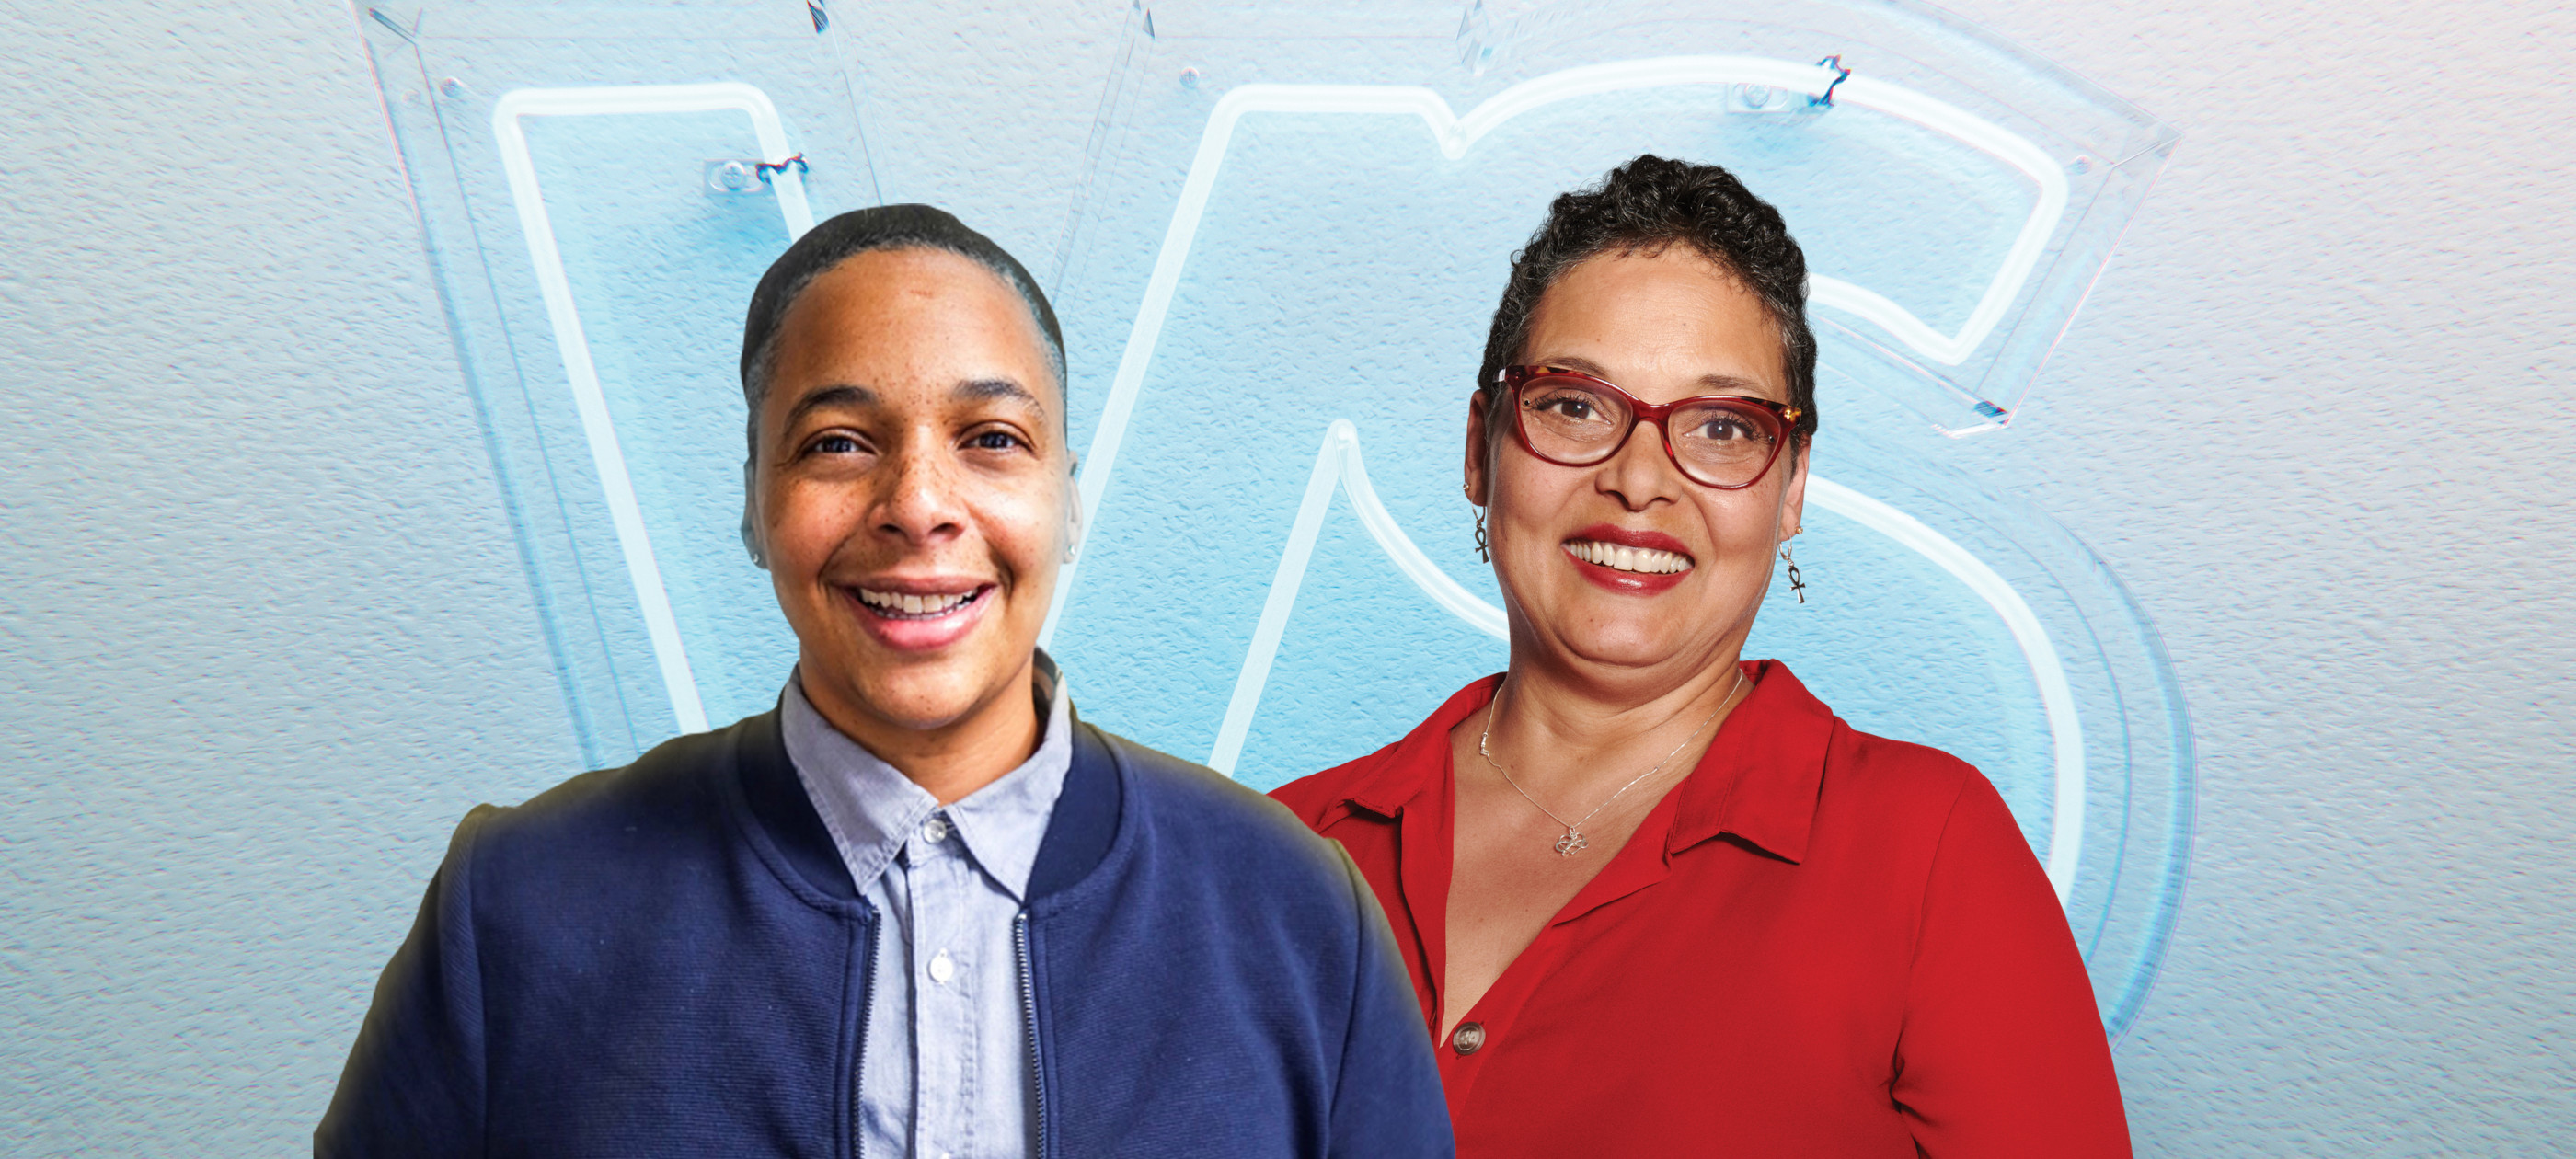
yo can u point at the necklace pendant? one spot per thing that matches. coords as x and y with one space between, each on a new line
1571 844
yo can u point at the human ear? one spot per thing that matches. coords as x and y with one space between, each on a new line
1793 497
1072 510
1479 452
751 515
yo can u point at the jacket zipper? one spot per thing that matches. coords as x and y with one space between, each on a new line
859 1054
1029 1013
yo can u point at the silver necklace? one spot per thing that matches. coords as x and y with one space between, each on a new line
1573 842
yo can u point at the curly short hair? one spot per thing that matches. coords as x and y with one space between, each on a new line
1644 207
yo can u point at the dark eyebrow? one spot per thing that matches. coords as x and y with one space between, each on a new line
1725 384
844 396
987 389
1716 383
1585 365
832 396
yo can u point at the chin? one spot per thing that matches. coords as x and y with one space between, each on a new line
909 690
1629 635
1625 653
924 697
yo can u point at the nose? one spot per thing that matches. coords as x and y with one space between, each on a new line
921 503
1639 474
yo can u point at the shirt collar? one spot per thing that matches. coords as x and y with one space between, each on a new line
1760 778
1758 781
872 809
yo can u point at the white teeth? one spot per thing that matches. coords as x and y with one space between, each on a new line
911 605
1645 560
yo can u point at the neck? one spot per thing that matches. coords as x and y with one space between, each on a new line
952 759
1573 727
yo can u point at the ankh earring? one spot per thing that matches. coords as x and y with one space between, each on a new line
1481 547
1797 586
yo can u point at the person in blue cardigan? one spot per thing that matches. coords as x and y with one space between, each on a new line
919 909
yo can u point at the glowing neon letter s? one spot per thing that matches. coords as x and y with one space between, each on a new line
1455 134
1338 460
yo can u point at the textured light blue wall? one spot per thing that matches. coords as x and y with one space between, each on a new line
2368 602
266 634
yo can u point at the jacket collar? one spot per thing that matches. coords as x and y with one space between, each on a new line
1079 833
1087 815
1758 781
782 816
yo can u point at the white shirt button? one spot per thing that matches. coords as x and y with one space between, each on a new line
942 967
935 830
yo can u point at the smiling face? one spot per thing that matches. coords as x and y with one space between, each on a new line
913 491
1626 563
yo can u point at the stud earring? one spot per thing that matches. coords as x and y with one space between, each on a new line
1797 586
1482 551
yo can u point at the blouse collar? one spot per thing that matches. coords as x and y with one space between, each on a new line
1758 781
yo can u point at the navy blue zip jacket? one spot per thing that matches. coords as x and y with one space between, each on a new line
671 959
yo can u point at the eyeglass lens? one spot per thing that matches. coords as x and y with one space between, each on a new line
1577 423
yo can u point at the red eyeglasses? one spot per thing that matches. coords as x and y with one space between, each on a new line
1572 419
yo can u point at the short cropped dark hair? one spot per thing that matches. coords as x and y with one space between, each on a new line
1645 207
883 227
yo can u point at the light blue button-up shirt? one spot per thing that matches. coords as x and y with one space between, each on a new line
949 1071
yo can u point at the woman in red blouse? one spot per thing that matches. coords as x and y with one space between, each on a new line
1658 900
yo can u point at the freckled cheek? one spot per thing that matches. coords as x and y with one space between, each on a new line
1021 531
807 523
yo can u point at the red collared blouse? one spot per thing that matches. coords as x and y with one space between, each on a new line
1821 943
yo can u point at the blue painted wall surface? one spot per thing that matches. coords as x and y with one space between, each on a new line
266 633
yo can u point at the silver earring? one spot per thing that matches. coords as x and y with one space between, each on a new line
1797 586
1482 551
